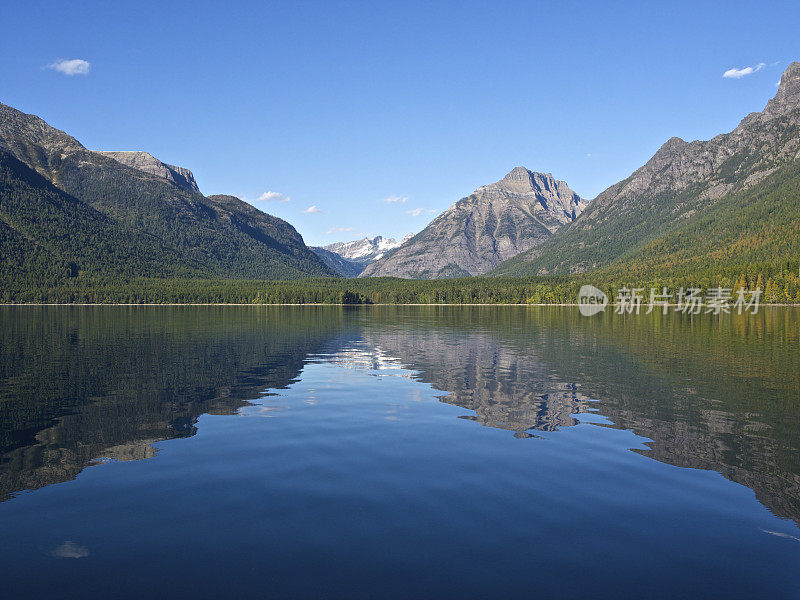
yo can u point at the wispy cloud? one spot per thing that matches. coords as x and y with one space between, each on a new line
271 196
395 200
312 210
416 212
75 66
739 73
333 230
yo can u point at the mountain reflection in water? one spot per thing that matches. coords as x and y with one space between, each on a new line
78 385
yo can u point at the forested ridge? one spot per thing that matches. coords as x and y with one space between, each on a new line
67 213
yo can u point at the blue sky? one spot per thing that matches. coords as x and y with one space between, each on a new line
340 106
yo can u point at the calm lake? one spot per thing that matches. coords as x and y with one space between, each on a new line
398 452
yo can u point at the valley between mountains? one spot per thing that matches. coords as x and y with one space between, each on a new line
78 224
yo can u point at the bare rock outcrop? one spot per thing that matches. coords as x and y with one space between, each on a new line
490 225
144 161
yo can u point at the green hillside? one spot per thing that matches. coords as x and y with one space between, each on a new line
698 209
220 236
757 229
48 236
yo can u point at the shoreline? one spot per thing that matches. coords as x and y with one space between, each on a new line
150 304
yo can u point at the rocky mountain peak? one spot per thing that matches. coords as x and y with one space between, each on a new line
25 136
495 222
521 180
524 181
518 174
787 97
672 144
666 153
350 258
790 80
540 191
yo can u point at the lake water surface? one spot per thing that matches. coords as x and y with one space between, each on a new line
398 452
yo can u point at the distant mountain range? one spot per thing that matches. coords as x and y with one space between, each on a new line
366 249
343 266
67 212
350 258
478 232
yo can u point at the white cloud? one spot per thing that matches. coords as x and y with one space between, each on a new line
311 210
333 230
416 212
739 73
395 200
75 66
272 197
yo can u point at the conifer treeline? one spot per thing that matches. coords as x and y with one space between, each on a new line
779 285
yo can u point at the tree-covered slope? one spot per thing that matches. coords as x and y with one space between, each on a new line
48 236
224 236
753 230
680 184
267 239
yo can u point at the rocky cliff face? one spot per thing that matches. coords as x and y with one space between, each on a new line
144 161
681 178
478 232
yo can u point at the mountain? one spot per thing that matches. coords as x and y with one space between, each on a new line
144 161
478 232
343 266
46 236
349 259
366 250
693 205
148 219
